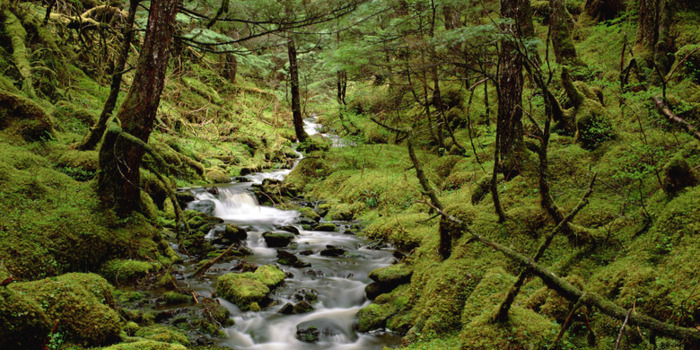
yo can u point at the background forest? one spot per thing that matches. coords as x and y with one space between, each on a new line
535 163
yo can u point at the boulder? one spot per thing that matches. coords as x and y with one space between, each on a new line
319 329
333 251
205 206
248 289
234 233
277 239
289 259
302 307
289 228
326 226
387 279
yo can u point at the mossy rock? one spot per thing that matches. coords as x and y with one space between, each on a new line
175 298
248 289
242 289
678 175
126 271
146 345
392 275
66 112
23 322
79 161
309 214
217 176
326 226
277 239
22 116
80 304
592 124
341 212
374 316
163 334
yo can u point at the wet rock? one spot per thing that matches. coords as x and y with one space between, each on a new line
234 233
286 309
315 330
277 239
213 190
242 179
309 214
309 295
248 289
205 206
289 228
184 197
326 226
302 307
376 245
387 279
289 259
306 252
333 251
322 209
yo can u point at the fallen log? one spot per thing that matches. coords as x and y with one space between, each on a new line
672 117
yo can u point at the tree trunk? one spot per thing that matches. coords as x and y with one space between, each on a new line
294 82
120 159
230 67
510 80
561 24
647 28
95 134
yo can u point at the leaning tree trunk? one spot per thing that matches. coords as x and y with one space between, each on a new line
294 82
510 80
95 134
120 159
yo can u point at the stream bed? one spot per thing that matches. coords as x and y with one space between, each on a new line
337 281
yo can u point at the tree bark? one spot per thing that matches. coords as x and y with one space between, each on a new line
95 134
120 159
294 82
510 79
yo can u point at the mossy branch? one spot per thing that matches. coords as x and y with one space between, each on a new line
573 294
676 119
20 52
502 314
211 262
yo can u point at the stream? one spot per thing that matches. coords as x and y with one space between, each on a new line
338 280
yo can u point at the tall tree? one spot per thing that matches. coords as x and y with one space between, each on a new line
294 83
120 157
561 24
510 82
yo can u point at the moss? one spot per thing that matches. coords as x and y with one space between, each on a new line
79 304
23 323
593 127
71 118
163 334
309 214
393 274
248 289
216 175
678 175
309 169
202 89
326 226
80 165
175 298
524 330
374 316
24 117
125 271
146 345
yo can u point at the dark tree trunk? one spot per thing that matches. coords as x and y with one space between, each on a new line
561 24
510 81
342 85
230 67
294 82
647 23
120 159
95 134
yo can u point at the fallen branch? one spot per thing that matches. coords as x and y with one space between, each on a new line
573 294
674 118
211 262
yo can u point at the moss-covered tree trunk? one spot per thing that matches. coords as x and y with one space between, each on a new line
95 134
120 159
561 25
294 82
510 80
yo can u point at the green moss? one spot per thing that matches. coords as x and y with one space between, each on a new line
374 316
398 273
524 329
174 298
124 271
248 289
216 175
163 334
79 304
146 345
326 226
21 116
23 323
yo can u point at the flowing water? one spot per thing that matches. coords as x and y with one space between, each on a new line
339 281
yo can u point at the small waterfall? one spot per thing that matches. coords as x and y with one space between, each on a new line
241 202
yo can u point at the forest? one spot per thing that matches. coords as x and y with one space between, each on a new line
349 174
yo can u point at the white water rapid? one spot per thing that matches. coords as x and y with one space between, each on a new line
339 281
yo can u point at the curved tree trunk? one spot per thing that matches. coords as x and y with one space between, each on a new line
120 160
